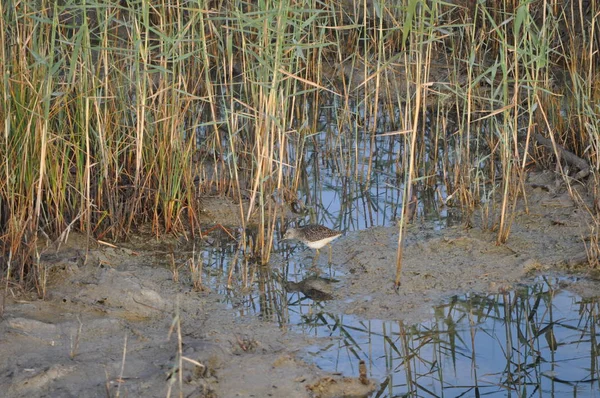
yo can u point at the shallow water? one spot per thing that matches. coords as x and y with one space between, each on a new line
539 340
365 188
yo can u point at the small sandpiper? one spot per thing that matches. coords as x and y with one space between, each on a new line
314 236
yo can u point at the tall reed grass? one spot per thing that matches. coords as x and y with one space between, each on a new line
117 114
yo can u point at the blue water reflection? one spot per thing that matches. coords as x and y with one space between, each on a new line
537 341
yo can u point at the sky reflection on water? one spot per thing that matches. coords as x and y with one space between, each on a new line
538 340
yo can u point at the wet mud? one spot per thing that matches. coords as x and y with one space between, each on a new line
117 321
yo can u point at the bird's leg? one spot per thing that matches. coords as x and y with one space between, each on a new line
330 249
314 264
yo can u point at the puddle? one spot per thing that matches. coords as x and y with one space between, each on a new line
538 340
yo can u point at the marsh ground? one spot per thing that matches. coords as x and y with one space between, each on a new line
114 319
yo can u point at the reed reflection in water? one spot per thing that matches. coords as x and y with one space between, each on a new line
536 341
